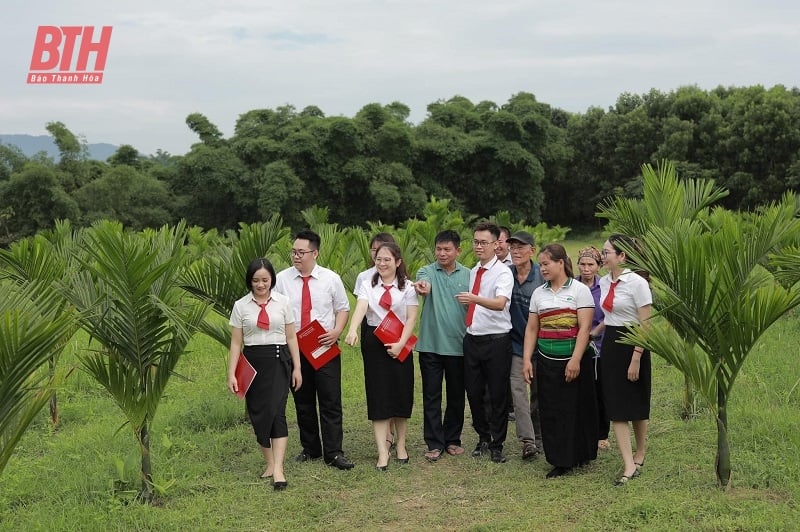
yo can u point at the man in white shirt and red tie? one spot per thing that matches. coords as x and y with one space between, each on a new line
317 293
487 344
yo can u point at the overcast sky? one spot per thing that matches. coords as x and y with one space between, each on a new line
168 59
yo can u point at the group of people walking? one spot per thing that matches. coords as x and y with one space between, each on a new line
518 332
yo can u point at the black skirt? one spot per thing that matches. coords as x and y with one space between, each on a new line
389 383
624 400
266 398
568 411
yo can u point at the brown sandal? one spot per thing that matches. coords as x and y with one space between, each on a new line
433 455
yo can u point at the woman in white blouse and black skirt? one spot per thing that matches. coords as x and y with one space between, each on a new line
262 330
625 376
389 383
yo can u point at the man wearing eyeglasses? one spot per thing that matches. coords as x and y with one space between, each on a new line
487 343
317 293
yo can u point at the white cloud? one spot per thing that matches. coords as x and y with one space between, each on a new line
168 59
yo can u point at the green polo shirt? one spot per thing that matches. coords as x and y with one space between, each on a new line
441 326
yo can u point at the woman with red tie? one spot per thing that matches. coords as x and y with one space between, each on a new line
625 376
262 330
389 383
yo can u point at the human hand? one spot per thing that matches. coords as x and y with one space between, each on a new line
297 379
233 385
633 370
572 370
394 349
328 339
465 298
351 338
527 371
423 288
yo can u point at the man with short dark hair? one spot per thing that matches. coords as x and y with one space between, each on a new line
487 344
317 293
440 346
502 250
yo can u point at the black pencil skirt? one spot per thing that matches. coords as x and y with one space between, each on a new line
388 382
624 400
266 398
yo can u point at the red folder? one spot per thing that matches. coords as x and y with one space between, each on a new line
245 374
317 354
390 330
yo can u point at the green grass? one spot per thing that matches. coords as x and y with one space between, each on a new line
82 476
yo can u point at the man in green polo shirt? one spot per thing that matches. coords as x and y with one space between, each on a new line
440 346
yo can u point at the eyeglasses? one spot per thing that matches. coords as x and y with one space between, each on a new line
519 247
384 260
482 243
299 253
607 251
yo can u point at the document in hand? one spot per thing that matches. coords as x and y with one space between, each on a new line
317 354
245 374
390 330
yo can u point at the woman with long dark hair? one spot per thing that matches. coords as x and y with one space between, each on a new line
389 383
626 300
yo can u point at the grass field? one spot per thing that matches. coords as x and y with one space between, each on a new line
83 475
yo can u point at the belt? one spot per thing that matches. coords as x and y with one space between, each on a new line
487 337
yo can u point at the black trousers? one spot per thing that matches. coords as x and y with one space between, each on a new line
487 365
438 432
324 385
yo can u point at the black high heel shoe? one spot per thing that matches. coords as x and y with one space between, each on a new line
279 485
383 468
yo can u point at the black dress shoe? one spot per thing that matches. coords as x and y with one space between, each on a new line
279 485
481 449
304 457
558 472
340 461
498 457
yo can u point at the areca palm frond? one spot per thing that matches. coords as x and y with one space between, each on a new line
671 200
712 289
218 278
786 263
31 332
134 309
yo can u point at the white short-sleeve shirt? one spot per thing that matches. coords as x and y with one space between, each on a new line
245 316
400 300
631 294
497 281
328 295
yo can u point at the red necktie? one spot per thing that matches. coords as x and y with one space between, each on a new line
608 302
475 287
386 298
263 317
305 303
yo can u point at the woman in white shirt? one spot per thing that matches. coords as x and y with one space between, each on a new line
262 330
625 375
389 383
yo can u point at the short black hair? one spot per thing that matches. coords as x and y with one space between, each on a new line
313 238
448 235
488 226
256 265
506 230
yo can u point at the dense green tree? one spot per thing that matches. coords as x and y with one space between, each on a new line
35 200
128 196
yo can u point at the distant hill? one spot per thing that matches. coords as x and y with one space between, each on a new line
33 144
